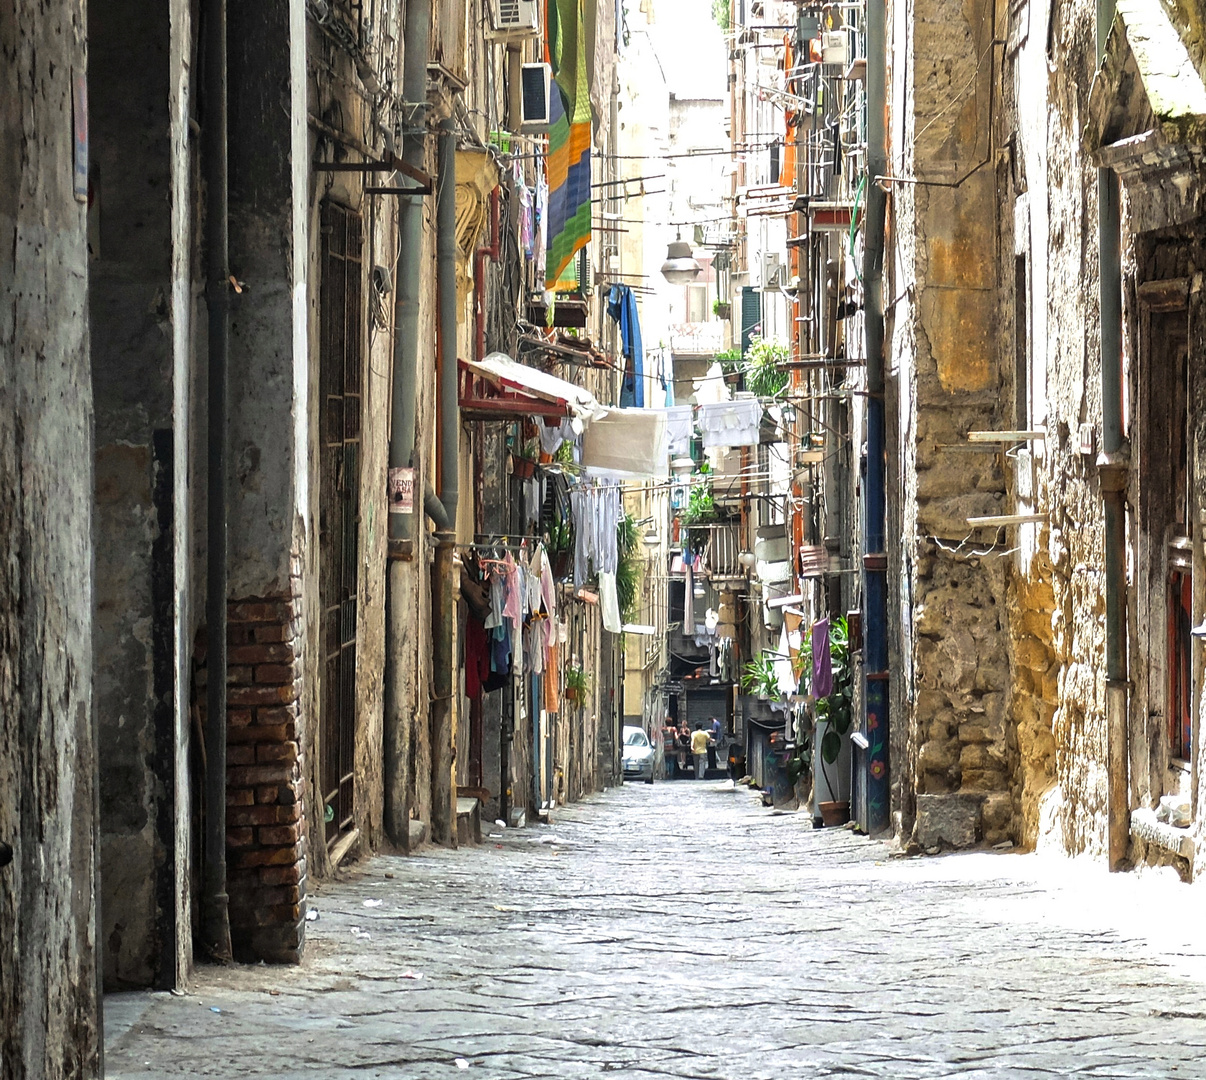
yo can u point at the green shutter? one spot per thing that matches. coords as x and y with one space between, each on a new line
751 315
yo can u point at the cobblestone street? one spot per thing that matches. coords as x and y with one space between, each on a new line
682 930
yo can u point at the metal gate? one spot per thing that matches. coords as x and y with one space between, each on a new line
706 702
340 376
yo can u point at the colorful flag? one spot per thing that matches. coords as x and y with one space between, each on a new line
569 220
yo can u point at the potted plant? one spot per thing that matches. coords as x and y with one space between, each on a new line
523 462
760 677
561 545
576 685
763 376
834 717
721 309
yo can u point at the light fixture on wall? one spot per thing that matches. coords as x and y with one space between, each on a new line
680 267
652 538
746 558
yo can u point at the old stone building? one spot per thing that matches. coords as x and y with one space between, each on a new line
276 233
1046 455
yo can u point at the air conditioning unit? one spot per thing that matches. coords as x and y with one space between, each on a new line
514 19
536 88
773 271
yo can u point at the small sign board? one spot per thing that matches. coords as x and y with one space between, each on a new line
401 491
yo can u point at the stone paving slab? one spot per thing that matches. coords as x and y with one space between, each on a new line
683 931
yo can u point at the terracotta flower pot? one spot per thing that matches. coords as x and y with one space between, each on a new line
522 468
834 813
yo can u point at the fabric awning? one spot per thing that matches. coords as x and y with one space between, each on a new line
514 389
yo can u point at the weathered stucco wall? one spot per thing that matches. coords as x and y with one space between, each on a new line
131 281
49 992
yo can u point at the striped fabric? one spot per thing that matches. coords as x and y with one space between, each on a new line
569 138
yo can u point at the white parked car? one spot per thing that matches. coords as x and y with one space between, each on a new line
638 755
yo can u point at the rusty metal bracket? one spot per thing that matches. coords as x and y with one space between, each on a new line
401 550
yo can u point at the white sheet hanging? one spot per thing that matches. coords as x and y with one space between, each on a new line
731 423
628 443
609 602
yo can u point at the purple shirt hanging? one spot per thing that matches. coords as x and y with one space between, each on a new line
822 662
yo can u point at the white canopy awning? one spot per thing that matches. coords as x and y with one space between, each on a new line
500 370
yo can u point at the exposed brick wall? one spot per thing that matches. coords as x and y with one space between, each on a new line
265 779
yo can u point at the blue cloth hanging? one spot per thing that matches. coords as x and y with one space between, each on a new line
622 306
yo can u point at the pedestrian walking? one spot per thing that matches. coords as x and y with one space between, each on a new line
684 747
670 747
714 742
699 747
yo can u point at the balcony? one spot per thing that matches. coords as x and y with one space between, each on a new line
722 544
697 339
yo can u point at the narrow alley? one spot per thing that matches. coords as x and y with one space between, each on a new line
423 414
683 930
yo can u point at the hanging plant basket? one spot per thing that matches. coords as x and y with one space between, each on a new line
522 468
723 311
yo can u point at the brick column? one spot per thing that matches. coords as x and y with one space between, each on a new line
265 785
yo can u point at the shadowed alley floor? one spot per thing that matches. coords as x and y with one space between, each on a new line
681 930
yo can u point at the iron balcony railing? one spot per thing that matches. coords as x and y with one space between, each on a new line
720 546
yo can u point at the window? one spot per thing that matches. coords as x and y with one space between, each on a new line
697 303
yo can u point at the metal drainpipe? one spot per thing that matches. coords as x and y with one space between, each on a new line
874 760
443 611
215 903
1112 470
407 289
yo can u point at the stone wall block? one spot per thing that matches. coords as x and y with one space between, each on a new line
253 775
984 780
271 653
277 752
275 674
283 875
263 815
240 755
280 834
1030 652
996 815
264 695
947 820
266 856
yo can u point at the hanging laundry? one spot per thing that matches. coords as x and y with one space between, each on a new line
822 661
498 600
552 680
629 443
477 658
622 307
548 592
680 427
552 436
609 602
513 609
731 423
527 222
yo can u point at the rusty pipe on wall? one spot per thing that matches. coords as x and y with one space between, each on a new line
443 609
399 601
